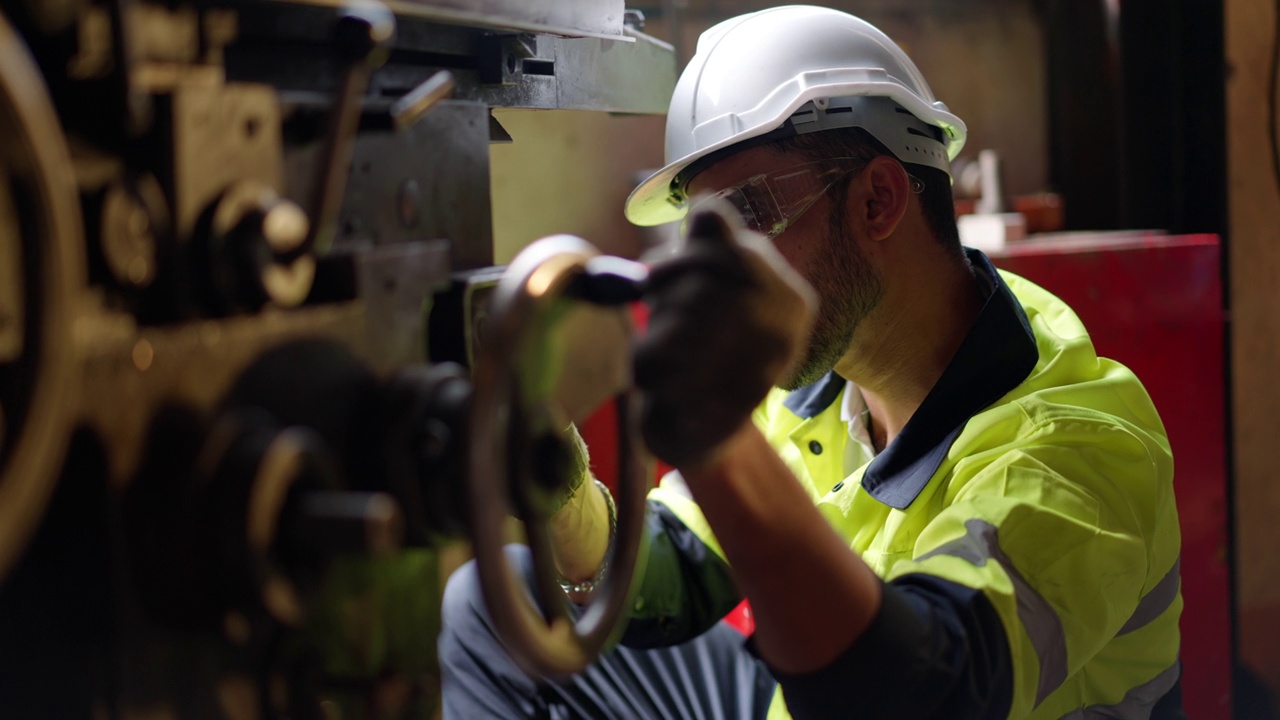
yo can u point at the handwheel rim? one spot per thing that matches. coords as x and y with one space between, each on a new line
36 155
552 645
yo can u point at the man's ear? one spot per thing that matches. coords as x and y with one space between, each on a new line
887 191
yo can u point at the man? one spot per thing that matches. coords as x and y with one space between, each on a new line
949 508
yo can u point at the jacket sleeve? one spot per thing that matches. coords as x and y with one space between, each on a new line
685 587
935 650
1070 543
1041 557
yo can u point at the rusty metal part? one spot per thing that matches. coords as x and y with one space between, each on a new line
521 378
42 382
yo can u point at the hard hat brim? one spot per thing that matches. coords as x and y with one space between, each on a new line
652 203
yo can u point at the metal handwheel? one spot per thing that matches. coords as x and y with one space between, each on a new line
553 349
42 267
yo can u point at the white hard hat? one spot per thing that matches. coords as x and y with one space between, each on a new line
787 71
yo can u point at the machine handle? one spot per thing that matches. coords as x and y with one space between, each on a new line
609 280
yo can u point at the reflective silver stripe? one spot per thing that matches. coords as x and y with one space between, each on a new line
1156 601
1038 617
1137 703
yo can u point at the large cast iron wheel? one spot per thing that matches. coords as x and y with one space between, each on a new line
41 270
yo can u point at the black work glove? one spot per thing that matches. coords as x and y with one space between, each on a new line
728 319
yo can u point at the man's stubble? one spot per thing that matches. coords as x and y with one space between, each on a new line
848 289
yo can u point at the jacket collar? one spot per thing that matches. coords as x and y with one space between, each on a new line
995 357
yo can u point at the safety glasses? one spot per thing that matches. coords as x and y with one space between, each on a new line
770 202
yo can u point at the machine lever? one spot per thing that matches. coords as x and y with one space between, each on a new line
411 108
361 36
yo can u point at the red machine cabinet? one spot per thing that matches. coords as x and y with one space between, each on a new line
1155 303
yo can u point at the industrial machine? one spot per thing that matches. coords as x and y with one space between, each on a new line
255 359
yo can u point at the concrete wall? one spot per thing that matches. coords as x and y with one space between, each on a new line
1254 268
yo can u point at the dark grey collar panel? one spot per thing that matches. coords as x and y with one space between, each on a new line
810 400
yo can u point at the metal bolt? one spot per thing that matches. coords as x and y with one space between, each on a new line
288 279
284 227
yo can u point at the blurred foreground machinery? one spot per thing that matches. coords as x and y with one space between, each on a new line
245 262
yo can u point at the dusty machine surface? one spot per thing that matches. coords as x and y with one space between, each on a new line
245 269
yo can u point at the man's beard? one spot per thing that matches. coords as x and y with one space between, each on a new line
848 289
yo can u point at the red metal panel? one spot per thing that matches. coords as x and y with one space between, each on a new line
1154 303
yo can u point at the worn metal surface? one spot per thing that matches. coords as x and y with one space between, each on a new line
221 134
582 74
397 283
427 182
502 67
603 18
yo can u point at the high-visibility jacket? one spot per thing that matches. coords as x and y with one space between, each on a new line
1035 473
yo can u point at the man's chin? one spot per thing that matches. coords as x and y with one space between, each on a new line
807 374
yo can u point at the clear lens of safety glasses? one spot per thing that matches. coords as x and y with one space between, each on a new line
755 201
769 203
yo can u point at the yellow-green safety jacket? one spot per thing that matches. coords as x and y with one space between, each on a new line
1036 477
